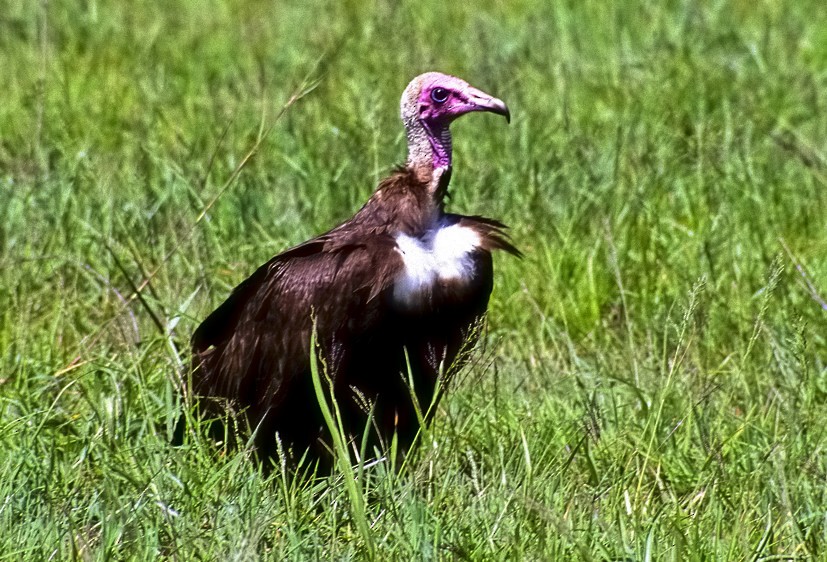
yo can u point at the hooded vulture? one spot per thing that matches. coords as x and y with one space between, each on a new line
397 294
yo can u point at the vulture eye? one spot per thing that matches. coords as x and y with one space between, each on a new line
439 95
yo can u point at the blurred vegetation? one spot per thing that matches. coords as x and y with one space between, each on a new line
653 382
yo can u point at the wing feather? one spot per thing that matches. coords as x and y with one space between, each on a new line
492 232
255 344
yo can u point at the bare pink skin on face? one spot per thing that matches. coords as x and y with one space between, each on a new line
443 98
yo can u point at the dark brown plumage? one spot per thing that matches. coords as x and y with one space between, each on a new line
400 275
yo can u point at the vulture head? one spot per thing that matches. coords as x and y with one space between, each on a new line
429 104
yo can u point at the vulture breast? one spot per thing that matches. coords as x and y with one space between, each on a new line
443 259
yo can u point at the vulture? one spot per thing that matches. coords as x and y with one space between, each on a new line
396 296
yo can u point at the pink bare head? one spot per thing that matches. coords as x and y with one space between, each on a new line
438 99
429 104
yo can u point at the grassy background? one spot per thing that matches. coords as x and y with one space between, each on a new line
654 382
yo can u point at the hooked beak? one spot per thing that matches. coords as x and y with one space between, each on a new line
484 102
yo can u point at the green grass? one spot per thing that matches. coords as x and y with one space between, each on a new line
653 384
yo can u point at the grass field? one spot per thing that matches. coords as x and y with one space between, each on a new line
653 385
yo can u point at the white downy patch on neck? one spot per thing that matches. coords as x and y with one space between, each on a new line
442 254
